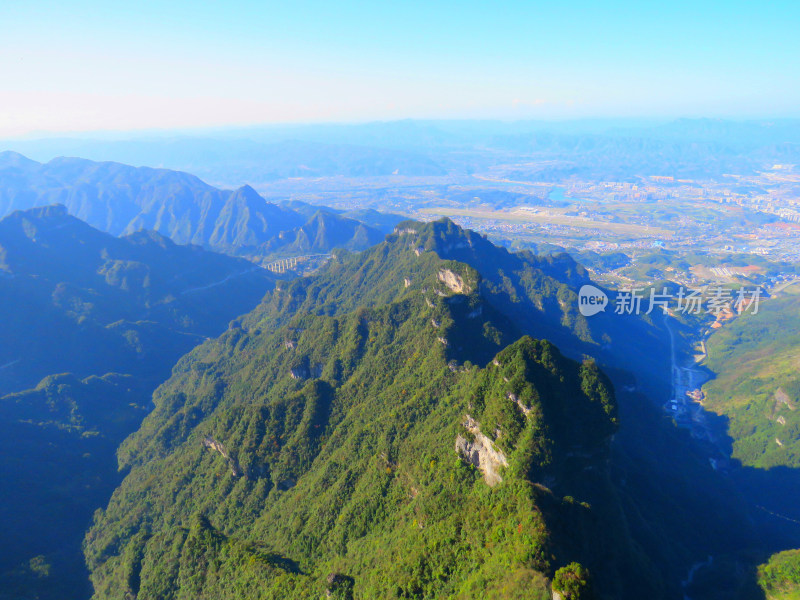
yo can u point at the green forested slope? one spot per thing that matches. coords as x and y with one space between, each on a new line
756 362
537 293
90 325
331 444
322 232
329 440
756 359
780 576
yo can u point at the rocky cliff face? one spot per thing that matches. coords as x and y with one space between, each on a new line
211 443
455 283
479 451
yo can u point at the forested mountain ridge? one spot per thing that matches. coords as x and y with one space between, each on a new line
539 293
79 300
121 199
91 325
757 385
322 232
325 441
329 446
757 389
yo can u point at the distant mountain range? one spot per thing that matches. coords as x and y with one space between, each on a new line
121 199
599 149
261 160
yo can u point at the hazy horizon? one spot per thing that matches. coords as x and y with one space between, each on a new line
98 67
583 125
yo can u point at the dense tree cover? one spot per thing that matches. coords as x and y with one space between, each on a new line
321 428
57 444
336 449
537 293
311 448
573 582
757 384
780 576
91 325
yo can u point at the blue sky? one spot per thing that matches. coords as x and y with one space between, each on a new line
90 65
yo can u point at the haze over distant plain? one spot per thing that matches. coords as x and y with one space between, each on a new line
93 66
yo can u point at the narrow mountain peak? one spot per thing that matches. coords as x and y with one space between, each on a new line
447 239
247 196
321 216
443 230
247 191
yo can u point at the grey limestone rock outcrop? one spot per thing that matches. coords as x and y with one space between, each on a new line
212 444
453 281
481 452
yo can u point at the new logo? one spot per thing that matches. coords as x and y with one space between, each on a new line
591 300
